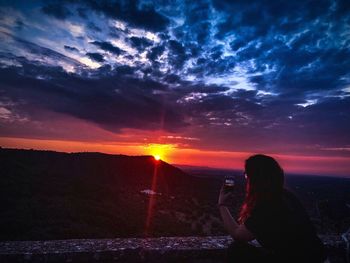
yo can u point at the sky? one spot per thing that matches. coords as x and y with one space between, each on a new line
203 83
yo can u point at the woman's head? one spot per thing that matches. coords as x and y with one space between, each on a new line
264 174
265 179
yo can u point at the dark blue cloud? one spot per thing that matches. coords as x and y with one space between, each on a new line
69 48
140 43
108 47
144 16
155 52
82 12
95 56
178 53
56 10
93 27
19 24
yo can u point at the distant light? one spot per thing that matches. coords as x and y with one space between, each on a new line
157 157
150 192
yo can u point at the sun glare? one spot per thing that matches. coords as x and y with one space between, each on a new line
159 151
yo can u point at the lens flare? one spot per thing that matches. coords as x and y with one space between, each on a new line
159 152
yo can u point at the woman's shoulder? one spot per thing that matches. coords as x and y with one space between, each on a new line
286 200
293 205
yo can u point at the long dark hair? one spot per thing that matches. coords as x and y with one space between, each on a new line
265 179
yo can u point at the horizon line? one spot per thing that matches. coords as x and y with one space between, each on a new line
173 164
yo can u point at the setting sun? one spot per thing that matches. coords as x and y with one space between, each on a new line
160 151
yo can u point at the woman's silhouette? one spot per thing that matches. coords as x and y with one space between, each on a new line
271 215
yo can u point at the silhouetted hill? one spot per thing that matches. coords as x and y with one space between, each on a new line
53 195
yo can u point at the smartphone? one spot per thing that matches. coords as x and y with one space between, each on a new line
229 183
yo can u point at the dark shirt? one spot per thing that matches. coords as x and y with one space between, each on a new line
283 227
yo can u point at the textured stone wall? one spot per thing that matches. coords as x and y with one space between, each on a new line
163 249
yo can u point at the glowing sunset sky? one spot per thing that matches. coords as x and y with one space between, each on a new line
197 82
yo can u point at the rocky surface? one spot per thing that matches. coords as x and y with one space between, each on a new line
164 249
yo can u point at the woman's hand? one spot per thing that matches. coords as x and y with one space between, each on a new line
224 196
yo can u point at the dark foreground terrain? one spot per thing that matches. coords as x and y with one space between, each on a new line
51 195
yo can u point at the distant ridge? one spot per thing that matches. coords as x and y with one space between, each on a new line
56 195
123 167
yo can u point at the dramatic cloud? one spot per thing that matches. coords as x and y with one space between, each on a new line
236 75
95 56
70 48
108 47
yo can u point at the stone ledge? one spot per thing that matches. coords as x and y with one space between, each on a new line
163 249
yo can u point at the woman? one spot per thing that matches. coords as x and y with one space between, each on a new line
271 215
